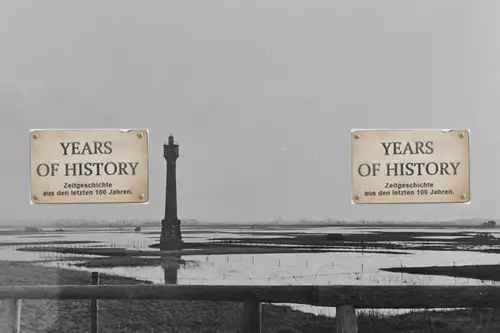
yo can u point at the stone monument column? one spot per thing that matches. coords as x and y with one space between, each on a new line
170 226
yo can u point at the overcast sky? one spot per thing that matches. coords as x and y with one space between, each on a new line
237 83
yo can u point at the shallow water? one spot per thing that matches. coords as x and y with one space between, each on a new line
268 269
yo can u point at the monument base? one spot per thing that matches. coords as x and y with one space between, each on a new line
170 243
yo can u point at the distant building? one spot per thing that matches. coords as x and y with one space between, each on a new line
190 222
33 229
489 224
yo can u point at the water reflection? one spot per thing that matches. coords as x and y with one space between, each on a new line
170 265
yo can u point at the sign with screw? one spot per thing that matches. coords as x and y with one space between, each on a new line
410 166
89 166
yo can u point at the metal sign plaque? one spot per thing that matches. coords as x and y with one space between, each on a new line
89 166
410 166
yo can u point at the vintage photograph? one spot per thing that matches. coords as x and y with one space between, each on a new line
298 166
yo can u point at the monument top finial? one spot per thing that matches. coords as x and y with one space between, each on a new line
171 139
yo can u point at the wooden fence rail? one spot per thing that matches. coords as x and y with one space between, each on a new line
345 298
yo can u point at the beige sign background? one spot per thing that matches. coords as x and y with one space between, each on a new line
89 166
410 166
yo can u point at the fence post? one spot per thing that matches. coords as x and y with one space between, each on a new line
13 309
94 318
252 317
346 319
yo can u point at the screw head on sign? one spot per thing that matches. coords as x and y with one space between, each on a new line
35 136
141 196
461 135
463 196
357 136
140 135
356 197
35 197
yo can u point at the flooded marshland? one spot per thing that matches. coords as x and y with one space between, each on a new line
361 267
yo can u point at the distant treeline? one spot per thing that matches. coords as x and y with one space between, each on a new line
257 225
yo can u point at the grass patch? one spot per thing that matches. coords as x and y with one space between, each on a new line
109 262
480 272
